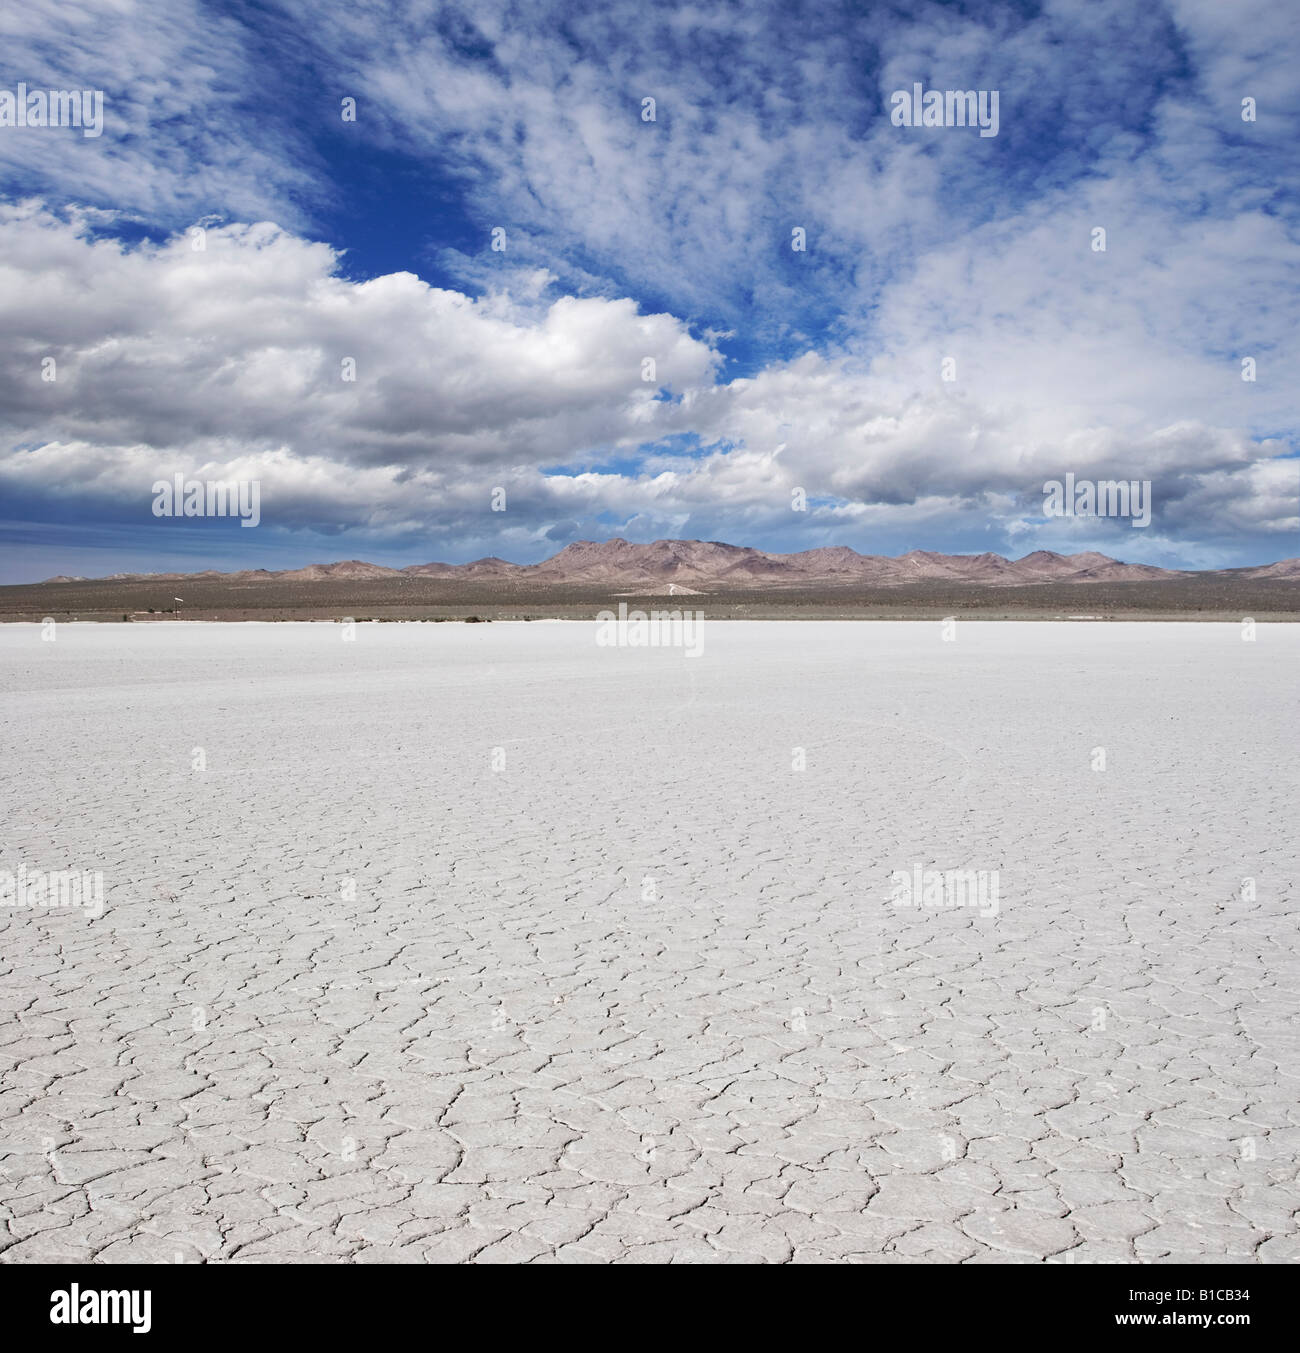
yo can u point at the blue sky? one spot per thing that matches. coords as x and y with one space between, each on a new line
931 251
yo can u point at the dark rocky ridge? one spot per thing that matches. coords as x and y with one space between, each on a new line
708 565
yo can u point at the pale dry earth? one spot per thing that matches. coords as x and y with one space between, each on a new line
484 942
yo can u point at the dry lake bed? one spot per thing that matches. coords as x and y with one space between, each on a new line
836 942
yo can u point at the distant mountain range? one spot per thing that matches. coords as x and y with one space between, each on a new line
706 565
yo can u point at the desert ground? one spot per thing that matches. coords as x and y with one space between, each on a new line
1209 596
485 942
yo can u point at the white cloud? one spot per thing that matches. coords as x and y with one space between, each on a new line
228 363
190 121
232 359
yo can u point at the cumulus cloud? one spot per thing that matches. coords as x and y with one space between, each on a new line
233 361
251 356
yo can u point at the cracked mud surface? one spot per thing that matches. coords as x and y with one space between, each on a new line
484 943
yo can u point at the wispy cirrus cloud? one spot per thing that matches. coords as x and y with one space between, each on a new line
191 123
